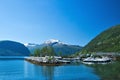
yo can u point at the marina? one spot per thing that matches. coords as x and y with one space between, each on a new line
98 60
56 61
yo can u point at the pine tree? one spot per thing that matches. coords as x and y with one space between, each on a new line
45 51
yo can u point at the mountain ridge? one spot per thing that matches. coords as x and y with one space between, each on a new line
13 48
106 41
58 46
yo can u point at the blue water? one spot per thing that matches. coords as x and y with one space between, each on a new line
19 69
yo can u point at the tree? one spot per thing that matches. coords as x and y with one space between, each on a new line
60 53
37 52
31 54
45 51
50 51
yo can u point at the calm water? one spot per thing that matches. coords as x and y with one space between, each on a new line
19 69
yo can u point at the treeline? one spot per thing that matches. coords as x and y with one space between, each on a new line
45 51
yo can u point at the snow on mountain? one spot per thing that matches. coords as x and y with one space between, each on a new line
48 42
30 44
51 41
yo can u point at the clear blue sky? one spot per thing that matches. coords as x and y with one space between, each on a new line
71 21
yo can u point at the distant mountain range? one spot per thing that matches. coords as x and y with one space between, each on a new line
58 46
11 48
107 41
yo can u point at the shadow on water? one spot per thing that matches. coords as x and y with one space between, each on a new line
110 71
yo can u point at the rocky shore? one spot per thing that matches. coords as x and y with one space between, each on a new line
47 61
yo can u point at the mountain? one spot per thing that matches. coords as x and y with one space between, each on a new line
11 48
58 46
32 46
107 41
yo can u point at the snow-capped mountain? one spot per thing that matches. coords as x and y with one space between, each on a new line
52 41
58 46
30 44
46 43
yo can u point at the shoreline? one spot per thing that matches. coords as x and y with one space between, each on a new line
44 64
36 60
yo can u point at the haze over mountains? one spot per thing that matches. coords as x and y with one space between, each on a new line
65 49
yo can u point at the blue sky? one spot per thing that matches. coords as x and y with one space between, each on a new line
71 21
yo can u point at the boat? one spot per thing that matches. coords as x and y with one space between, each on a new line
97 59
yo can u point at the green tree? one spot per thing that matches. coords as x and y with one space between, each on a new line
31 54
45 51
50 51
60 53
37 52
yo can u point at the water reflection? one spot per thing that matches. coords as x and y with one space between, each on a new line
48 72
65 72
38 72
108 71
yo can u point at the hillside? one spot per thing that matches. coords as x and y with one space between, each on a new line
107 41
11 48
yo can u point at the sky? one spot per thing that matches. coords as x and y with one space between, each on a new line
71 21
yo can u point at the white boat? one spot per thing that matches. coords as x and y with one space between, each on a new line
91 59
